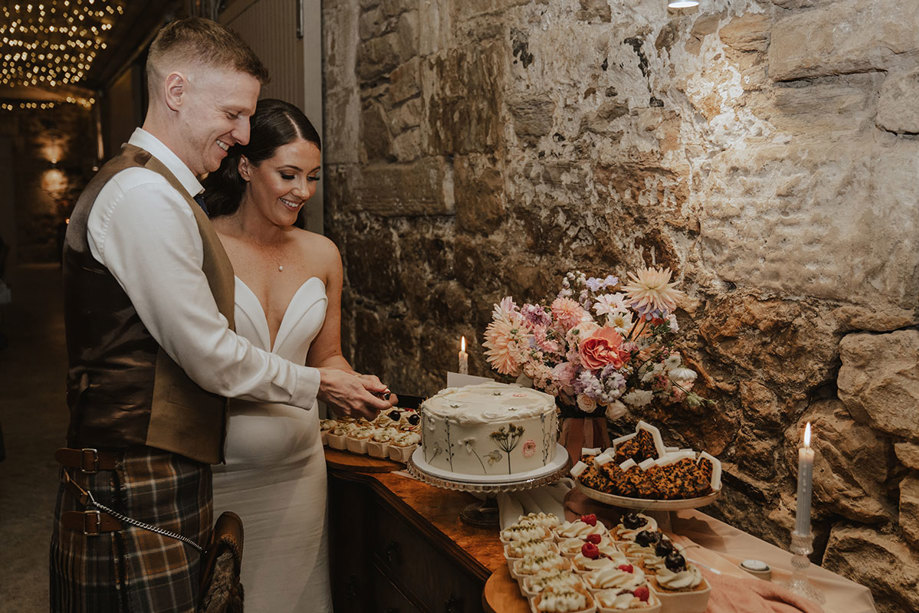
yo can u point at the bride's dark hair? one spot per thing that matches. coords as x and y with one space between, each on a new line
274 123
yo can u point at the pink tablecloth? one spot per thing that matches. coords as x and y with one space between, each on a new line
718 549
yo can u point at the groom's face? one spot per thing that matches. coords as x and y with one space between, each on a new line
217 116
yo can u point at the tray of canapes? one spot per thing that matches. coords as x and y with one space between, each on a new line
392 435
586 567
640 472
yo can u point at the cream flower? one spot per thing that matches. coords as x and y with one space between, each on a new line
651 290
638 398
568 313
504 339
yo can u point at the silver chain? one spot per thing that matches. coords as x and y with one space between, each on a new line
145 526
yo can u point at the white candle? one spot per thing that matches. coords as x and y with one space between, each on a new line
805 484
463 358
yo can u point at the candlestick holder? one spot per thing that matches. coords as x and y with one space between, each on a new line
801 546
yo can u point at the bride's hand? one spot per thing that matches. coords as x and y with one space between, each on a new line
351 394
376 387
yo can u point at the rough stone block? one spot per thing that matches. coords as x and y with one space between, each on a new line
407 29
344 123
532 117
879 380
851 464
339 46
460 122
379 56
423 187
467 9
600 121
375 136
881 562
874 318
371 267
785 229
771 336
480 198
842 37
406 116
405 81
407 146
371 24
595 11
908 454
392 8
897 109
909 509
747 33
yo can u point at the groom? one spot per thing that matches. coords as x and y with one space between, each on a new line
152 352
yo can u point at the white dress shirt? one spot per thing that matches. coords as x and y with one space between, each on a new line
142 230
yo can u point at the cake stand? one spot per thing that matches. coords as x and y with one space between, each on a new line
484 514
658 509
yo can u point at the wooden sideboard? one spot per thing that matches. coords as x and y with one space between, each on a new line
397 545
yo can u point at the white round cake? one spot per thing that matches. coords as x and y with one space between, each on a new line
489 429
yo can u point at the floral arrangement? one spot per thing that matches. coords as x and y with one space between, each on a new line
600 343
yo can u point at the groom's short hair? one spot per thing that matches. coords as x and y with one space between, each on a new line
197 41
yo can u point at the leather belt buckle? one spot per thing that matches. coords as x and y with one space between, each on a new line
89 457
92 527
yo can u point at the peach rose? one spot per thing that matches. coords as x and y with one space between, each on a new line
602 348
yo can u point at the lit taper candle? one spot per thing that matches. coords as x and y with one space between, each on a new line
805 484
463 358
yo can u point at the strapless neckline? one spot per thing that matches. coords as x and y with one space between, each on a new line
249 302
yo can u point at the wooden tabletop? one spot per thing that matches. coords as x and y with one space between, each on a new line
432 510
436 512
347 461
502 594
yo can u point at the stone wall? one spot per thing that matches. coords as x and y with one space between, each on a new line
53 154
765 150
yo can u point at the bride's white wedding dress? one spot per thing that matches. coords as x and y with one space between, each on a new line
275 476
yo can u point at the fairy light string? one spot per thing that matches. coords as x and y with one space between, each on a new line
50 43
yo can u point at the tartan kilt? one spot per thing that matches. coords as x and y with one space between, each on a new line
134 570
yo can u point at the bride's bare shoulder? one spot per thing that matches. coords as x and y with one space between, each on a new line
317 246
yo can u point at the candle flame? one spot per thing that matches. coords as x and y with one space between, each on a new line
463 343
807 435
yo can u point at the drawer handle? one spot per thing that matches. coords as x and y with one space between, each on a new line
352 587
453 605
391 553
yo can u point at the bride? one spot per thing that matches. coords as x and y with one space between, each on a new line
288 301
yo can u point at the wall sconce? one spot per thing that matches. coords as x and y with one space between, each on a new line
682 4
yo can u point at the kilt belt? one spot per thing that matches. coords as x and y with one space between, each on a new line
122 536
99 518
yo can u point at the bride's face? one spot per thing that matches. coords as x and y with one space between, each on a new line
279 186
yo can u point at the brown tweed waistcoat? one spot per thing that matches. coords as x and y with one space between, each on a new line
123 390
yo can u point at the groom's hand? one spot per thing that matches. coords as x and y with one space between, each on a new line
351 394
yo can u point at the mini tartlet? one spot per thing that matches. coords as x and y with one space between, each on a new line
524 532
631 524
680 587
621 577
572 547
593 557
563 600
531 565
622 600
587 524
530 586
